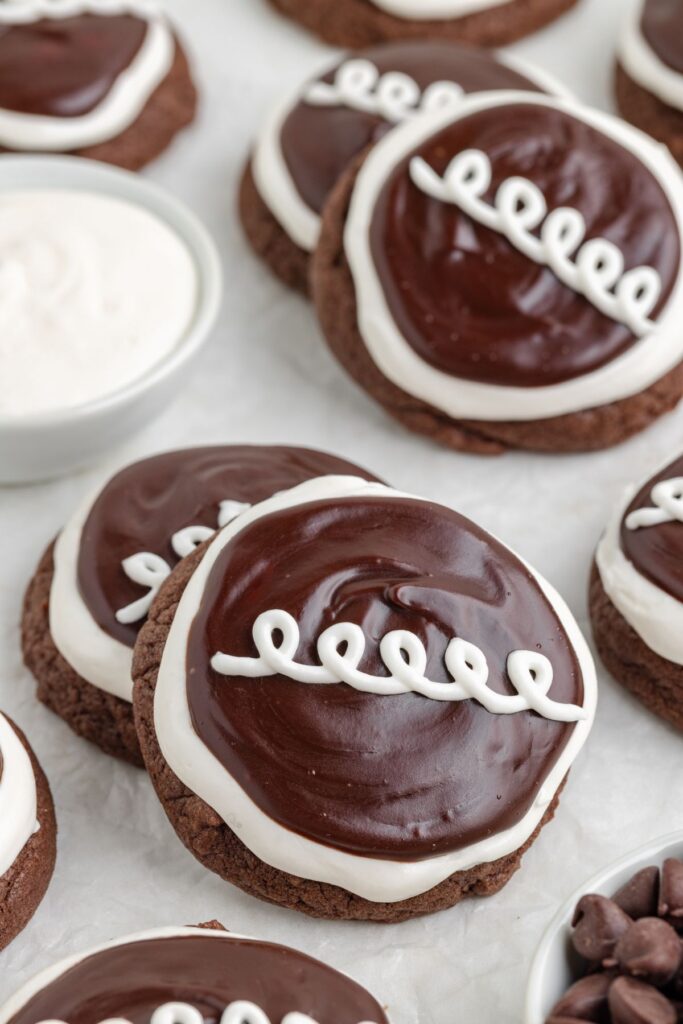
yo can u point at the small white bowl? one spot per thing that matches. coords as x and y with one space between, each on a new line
51 444
553 968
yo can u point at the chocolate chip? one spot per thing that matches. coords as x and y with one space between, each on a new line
638 898
650 950
598 925
584 1001
634 1002
671 892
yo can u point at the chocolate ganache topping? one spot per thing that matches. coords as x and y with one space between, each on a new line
657 551
319 142
401 777
65 67
132 980
662 27
144 505
473 305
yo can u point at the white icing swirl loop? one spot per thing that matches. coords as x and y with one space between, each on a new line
597 269
240 1012
150 570
405 657
667 497
394 96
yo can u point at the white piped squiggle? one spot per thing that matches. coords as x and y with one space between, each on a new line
394 96
597 272
667 497
405 657
240 1012
150 570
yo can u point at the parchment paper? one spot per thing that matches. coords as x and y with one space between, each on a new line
266 376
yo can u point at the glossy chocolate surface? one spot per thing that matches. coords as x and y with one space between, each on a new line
656 551
474 306
662 27
145 504
402 777
131 981
319 142
65 67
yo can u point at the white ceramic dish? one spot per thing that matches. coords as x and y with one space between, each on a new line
552 968
55 443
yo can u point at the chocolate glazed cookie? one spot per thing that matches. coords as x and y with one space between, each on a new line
357 23
28 832
636 594
438 297
111 87
89 596
368 784
649 75
311 139
202 972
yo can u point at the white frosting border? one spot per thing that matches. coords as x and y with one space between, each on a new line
646 362
644 66
125 100
423 10
46 977
382 881
274 182
655 615
18 797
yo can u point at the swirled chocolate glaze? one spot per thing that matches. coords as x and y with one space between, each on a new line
64 67
662 27
471 304
400 777
131 981
319 142
656 551
145 504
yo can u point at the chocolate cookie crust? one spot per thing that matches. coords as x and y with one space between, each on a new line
96 716
171 107
586 430
655 681
358 23
647 112
216 846
22 887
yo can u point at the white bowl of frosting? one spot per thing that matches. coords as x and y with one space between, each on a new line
554 967
108 289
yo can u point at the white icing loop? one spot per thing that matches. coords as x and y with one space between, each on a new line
394 96
240 1012
519 210
667 498
18 797
405 657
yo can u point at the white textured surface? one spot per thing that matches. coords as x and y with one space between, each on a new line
266 376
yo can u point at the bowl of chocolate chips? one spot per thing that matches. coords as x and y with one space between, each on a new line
614 952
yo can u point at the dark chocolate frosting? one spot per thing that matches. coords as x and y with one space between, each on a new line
65 67
656 551
132 980
662 27
319 142
141 508
471 304
400 777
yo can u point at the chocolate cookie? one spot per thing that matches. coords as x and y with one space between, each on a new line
90 595
636 593
314 135
358 704
28 832
649 82
508 275
356 23
192 975
109 85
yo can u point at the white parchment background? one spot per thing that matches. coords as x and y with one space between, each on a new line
266 376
